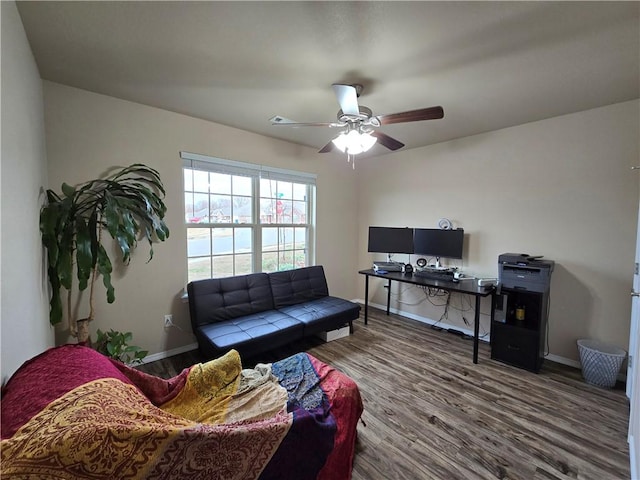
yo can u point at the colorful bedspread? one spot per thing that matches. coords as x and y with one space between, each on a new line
295 419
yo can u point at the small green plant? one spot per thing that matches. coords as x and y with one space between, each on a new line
115 344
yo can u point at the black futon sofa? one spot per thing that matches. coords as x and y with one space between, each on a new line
261 311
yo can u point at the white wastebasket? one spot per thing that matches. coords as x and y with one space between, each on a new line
600 362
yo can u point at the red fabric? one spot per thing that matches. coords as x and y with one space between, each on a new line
346 408
48 376
156 389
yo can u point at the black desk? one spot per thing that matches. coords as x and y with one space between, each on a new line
468 287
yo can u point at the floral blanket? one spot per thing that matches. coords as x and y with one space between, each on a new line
294 419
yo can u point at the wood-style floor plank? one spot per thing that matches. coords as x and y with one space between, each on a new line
430 413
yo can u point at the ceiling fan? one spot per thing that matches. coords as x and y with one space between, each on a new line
359 124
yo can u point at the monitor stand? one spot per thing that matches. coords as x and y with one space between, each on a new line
389 255
439 266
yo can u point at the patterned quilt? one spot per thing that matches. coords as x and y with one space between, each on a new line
89 417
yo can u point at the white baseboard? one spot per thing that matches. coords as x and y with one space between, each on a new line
170 353
563 360
429 321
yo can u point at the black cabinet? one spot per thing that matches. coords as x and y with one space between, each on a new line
518 331
519 325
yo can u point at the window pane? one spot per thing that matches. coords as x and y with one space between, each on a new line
301 238
285 260
299 191
243 264
270 262
300 258
286 238
222 241
269 239
199 268
222 266
299 212
283 211
220 209
198 242
200 181
267 211
200 208
188 179
242 185
220 183
242 210
268 188
242 240
285 190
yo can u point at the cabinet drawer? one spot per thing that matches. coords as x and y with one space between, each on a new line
516 346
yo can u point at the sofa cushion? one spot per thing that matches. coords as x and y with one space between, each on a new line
323 314
220 299
251 334
292 287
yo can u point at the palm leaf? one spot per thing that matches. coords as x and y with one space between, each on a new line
127 204
84 257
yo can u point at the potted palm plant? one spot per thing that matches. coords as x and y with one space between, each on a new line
127 205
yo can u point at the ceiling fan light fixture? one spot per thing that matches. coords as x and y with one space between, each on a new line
354 142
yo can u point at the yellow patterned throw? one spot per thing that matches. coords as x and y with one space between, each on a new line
219 391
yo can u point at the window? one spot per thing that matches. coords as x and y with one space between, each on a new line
243 218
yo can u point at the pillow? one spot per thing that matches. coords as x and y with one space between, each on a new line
48 376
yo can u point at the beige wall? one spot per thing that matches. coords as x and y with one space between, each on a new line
560 187
87 133
24 317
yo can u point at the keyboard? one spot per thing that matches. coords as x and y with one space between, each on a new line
435 275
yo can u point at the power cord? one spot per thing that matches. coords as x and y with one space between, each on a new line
444 315
430 293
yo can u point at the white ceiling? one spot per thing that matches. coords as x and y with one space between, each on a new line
490 65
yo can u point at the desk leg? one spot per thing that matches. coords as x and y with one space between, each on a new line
388 295
366 299
476 330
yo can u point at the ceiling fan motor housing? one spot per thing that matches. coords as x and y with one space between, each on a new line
365 114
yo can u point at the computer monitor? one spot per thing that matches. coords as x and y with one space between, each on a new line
435 242
390 240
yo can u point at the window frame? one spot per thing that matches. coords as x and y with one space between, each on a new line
256 173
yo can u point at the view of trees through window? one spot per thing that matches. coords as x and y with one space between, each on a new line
240 224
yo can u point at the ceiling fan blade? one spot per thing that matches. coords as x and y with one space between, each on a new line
387 141
327 148
347 98
431 113
279 120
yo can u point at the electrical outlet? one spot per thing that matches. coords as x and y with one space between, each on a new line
168 321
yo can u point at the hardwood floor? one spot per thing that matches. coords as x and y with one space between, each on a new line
430 413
